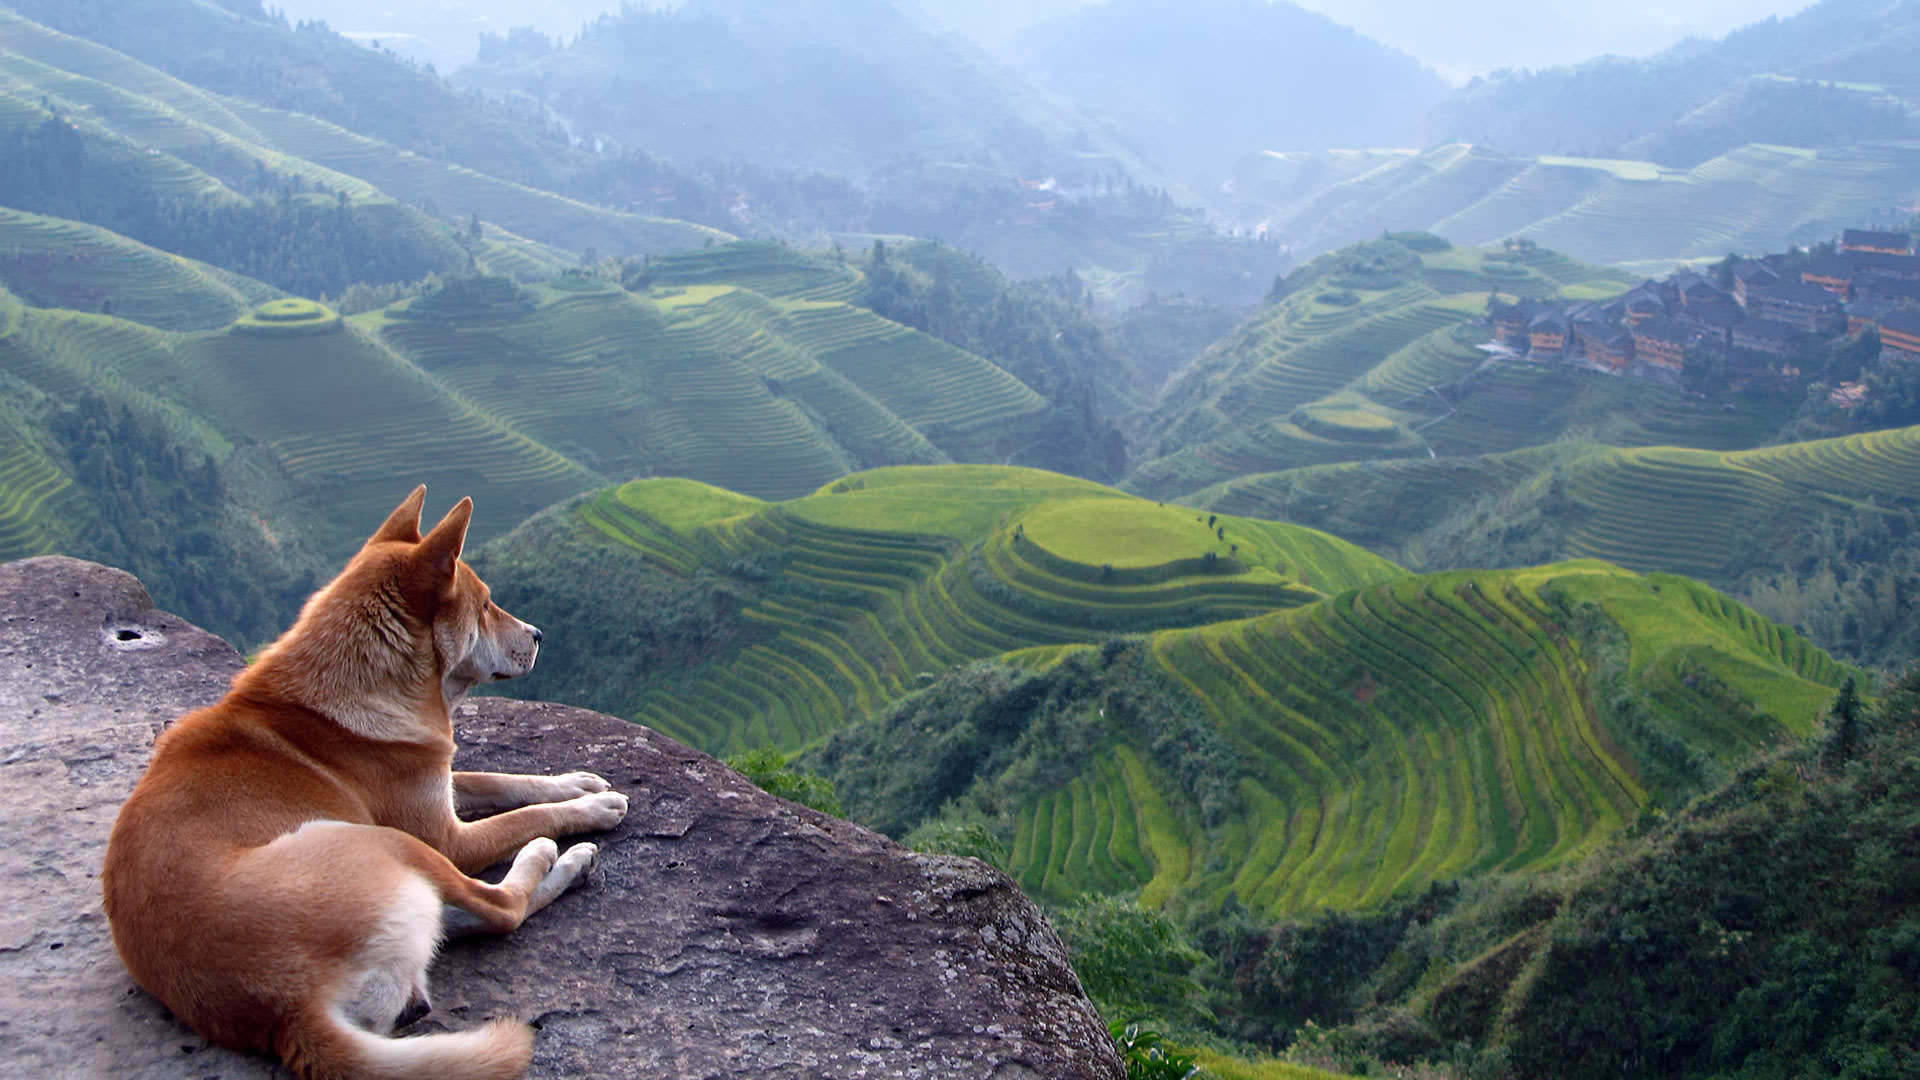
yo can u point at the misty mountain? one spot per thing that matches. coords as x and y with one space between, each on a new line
842 86
1200 84
1839 72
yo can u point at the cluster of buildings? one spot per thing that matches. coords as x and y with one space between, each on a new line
1775 307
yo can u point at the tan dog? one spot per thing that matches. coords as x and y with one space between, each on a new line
285 871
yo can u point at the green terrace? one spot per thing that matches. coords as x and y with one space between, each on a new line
108 92
1371 334
770 269
1416 730
887 576
1634 213
1683 511
52 262
717 382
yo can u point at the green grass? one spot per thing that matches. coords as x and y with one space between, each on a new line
1225 1067
289 318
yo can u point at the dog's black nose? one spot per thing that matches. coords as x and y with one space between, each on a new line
538 636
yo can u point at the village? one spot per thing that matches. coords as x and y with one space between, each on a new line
1752 318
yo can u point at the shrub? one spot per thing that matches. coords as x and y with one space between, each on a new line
1147 1056
768 770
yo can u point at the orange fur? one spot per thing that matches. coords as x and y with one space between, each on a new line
276 877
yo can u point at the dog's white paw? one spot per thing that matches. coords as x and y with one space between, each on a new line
601 811
569 871
575 784
537 856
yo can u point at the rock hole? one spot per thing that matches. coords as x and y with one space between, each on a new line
56 945
127 635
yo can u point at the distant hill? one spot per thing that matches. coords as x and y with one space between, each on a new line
1274 735
1838 73
850 88
1367 357
1197 85
1637 213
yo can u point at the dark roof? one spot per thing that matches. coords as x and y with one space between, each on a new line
1765 328
1642 303
1902 320
1886 287
1799 292
1751 271
1716 313
1663 330
1549 320
1831 266
1523 310
1613 311
1877 238
1883 262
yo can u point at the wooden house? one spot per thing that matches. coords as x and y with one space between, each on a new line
1830 272
1808 307
1900 335
1752 273
1887 241
1662 343
1613 350
1766 336
1548 336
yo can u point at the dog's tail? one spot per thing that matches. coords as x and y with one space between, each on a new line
327 1047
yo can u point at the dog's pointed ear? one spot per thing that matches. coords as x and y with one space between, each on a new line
441 549
403 525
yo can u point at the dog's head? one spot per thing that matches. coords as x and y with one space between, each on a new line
474 640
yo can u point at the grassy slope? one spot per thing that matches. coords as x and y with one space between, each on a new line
1417 730
1258 401
1391 730
1754 198
896 572
52 262
156 110
773 395
1655 508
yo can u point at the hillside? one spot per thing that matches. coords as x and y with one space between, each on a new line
1195 83
748 80
1833 74
1813 533
781 621
1750 197
1264 740
1347 751
1366 356
231 142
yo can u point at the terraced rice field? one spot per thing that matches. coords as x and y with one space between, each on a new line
52 262
1754 198
770 269
37 508
722 384
1249 405
953 575
1412 731
1649 509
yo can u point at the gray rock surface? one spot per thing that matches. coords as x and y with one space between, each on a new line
727 933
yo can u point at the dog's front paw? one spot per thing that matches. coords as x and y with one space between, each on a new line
576 784
601 811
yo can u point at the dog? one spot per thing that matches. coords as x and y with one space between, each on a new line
283 874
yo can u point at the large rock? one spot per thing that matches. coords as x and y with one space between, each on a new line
727 933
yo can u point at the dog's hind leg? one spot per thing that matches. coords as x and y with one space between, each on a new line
550 876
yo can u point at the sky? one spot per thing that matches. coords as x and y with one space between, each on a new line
1458 39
